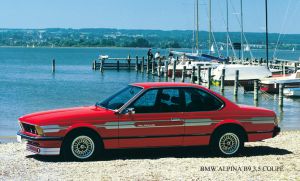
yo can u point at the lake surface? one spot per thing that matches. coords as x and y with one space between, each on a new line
27 84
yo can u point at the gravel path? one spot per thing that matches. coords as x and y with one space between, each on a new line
273 159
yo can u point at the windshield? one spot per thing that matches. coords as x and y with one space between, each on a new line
117 100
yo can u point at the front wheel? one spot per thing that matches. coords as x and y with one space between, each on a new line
81 146
228 143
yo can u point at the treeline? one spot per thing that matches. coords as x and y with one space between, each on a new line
101 37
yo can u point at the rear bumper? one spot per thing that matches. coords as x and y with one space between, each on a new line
41 145
276 131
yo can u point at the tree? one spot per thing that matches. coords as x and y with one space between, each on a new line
139 42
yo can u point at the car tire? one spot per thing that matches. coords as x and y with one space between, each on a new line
227 142
81 146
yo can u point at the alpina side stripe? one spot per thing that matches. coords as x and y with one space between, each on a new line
187 122
198 122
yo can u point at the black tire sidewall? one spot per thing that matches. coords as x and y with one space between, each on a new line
66 146
216 138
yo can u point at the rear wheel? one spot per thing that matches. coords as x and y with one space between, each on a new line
228 142
82 146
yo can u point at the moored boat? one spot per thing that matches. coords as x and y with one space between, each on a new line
271 85
292 92
247 75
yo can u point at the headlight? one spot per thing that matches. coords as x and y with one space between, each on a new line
39 130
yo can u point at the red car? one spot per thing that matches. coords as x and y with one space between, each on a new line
148 115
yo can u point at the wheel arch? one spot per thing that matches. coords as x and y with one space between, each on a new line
229 124
82 128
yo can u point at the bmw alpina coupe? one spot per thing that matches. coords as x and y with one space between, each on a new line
148 115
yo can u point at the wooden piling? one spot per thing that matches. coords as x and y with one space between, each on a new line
166 70
159 68
153 67
129 60
222 80
136 63
94 64
174 70
283 68
260 61
147 65
209 77
255 96
183 73
102 65
118 65
193 75
142 64
199 74
280 98
53 65
236 83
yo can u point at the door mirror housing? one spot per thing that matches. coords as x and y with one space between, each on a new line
130 111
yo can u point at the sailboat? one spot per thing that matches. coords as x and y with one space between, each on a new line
247 48
293 49
199 56
212 49
221 48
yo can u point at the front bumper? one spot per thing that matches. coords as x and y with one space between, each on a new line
40 138
43 151
33 144
276 131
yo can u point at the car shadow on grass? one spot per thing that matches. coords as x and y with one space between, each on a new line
174 152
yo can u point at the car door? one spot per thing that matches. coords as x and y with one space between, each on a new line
202 111
157 120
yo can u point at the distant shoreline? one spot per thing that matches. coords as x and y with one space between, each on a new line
46 47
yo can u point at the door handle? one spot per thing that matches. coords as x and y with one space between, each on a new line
175 119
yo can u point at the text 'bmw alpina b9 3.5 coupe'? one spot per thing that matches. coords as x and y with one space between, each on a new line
144 115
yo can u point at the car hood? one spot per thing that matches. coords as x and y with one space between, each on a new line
68 114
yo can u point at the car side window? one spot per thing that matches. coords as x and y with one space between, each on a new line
146 103
199 100
170 100
159 101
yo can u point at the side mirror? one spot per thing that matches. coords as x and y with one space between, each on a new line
130 111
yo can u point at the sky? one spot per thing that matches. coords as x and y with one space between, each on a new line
284 15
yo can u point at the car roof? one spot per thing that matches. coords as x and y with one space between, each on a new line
147 85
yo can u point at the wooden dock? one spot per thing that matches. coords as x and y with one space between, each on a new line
142 64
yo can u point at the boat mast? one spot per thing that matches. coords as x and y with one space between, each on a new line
227 29
267 34
242 32
197 24
209 25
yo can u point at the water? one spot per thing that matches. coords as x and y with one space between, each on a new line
27 84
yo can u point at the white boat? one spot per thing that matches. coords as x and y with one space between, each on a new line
247 74
188 64
103 57
247 48
271 85
292 92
